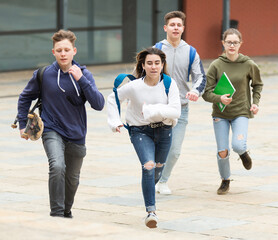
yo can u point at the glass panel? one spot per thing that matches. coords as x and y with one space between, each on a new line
144 24
27 15
34 50
94 13
95 47
145 27
25 51
164 6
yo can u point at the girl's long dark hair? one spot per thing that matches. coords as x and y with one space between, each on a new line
141 58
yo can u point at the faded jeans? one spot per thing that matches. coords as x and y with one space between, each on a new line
152 146
65 160
239 128
177 140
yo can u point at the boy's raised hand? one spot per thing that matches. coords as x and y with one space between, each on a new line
76 72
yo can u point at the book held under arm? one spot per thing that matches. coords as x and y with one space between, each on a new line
224 86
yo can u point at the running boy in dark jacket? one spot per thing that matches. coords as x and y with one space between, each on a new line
66 86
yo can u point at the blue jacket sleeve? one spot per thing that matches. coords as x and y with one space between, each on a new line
198 75
91 92
30 93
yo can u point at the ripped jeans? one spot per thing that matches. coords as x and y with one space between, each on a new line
152 146
239 128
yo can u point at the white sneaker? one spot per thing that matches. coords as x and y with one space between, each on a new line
162 188
151 220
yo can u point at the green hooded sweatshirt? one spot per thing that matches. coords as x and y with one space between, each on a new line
244 75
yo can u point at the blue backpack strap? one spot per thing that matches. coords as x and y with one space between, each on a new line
158 45
119 79
117 82
192 54
167 83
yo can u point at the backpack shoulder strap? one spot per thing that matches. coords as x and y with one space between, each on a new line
117 82
40 78
167 83
192 54
159 45
38 103
119 79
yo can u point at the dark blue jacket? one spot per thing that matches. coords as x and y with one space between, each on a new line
63 110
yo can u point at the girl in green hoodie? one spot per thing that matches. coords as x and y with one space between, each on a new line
243 73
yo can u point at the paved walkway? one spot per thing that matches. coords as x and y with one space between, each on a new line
109 203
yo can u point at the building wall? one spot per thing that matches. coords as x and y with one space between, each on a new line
258 23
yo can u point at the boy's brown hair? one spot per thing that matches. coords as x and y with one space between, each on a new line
174 14
63 34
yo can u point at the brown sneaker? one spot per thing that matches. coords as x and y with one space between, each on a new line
246 160
224 187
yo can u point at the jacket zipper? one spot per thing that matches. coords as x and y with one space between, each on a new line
174 61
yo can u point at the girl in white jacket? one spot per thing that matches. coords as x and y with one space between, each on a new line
150 115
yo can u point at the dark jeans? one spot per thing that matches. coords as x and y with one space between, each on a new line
151 145
65 160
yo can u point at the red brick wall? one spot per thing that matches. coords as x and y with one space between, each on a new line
258 23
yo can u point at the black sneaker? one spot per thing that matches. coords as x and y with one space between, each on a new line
56 215
224 187
68 214
246 160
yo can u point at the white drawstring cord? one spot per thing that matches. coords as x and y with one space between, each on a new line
58 81
73 82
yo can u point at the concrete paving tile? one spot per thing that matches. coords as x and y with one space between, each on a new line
69 227
133 199
258 171
105 210
129 200
246 197
266 220
271 204
113 181
17 232
23 160
9 216
245 232
245 212
10 198
267 187
200 224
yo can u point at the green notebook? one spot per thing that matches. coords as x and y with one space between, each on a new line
224 86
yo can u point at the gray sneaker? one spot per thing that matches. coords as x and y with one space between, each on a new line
162 188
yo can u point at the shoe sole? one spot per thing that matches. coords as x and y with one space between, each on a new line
163 193
151 224
247 167
223 193
246 162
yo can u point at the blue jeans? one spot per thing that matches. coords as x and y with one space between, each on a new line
152 146
239 128
175 150
65 160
